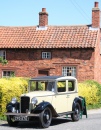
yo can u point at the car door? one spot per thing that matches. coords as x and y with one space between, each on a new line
72 93
60 98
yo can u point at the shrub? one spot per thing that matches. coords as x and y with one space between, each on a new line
91 90
9 88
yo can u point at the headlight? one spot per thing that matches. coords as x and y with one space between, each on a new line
34 100
14 100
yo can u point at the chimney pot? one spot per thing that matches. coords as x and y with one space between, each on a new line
43 9
96 4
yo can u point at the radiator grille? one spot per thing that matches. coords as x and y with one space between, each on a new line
24 104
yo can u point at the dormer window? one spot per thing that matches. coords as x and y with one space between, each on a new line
3 54
46 55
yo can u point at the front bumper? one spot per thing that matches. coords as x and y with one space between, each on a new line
21 114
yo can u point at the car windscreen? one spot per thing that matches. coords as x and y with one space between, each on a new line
41 86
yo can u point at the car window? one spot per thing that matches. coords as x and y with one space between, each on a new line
37 85
51 86
71 85
61 86
42 86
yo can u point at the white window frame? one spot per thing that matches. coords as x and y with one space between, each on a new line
3 54
8 73
46 55
69 71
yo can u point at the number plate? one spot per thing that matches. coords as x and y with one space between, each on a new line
21 118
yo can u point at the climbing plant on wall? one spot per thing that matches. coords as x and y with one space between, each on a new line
3 61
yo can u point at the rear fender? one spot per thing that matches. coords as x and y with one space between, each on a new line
77 100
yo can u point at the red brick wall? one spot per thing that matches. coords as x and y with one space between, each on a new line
27 62
97 63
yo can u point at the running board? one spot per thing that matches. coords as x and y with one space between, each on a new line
65 113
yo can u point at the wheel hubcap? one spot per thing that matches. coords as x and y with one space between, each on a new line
76 111
47 116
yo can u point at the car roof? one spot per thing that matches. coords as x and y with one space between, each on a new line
53 78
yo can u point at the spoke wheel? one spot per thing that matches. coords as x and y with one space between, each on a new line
76 115
45 118
11 122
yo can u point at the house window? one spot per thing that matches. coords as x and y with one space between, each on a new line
8 74
3 54
46 55
69 71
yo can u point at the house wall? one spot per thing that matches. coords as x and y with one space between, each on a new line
27 62
97 57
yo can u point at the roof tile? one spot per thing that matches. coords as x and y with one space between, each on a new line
53 37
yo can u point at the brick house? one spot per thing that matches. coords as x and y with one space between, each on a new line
53 50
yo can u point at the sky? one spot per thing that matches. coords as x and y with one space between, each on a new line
61 12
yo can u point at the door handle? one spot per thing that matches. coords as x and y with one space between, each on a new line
68 96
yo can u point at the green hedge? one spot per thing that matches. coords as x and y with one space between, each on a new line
9 88
91 90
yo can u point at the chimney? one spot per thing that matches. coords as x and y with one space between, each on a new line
96 15
43 17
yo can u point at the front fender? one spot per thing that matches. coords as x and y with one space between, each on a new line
43 105
10 106
40 107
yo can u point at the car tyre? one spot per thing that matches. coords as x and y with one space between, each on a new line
45 118
11 122
76 115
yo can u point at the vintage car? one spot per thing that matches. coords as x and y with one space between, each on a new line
47 97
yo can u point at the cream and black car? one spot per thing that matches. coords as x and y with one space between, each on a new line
47 97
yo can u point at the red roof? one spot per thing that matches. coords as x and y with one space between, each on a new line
53 37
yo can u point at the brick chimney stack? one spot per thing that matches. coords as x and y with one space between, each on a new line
43 17
96 15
